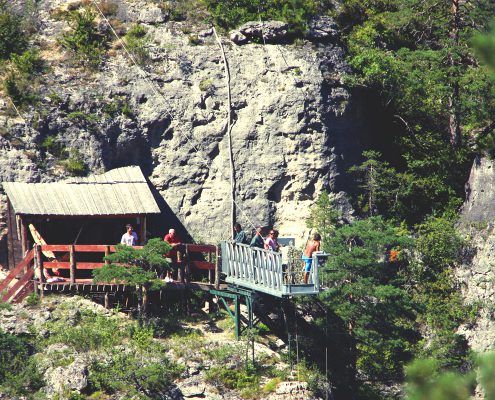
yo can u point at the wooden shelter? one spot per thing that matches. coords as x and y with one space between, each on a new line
78 210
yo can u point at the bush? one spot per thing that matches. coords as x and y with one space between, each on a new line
12 39
136 41
228 14
19 374
28 63
83 41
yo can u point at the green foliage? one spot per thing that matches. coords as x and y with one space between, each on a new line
140 267
323 217
415 58
232 13
136 41
12 38
84 42
440 247
75 164
484 45
224 377
21 79
33 300
85 330
368 294
132 374
19 375
52 145
28 63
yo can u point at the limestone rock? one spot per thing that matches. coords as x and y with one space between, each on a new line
322 27
270 31
238 38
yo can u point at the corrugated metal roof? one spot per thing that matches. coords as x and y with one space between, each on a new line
121 191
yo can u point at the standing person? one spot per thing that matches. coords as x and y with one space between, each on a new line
129 238
257 240
240 235
271 241
312 246
174 241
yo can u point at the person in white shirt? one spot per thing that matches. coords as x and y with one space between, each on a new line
129 238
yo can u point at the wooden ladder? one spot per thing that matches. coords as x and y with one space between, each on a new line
24 286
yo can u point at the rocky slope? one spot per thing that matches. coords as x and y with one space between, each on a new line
296 126
203 353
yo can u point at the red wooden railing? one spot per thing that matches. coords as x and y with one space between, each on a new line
191 257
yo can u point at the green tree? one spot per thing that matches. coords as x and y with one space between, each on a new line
323 217
415 56
12 38
140 267
439 246
368 295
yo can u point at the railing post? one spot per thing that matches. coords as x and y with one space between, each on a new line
38 264
187 269
107 253
180 272
72 261
210 272
217 270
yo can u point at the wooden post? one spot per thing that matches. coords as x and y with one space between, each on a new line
143 230
107 252
24 244
211 277
38 264
180 272
107 300
217 271
72 261
187 266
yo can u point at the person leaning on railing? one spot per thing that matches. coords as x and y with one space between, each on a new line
307 256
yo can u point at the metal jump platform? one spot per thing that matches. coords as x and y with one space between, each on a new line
265 271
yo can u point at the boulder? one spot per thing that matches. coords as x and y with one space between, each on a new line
322 27
270 31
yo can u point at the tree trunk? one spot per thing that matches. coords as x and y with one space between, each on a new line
453 100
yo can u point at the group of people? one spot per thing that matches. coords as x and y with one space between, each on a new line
130 238
271 243
268 243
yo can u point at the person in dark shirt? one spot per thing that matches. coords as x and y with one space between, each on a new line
240 236
258 240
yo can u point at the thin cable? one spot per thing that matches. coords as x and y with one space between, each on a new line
157 92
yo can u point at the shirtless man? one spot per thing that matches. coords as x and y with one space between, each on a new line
312 246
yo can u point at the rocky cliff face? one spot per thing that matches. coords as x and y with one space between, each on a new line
296 127
477 275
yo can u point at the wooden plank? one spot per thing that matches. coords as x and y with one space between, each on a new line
19 267
201 248
203 265
79 265
18 285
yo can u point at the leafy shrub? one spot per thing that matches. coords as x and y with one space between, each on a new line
12 39
229 14
75 164
19 374
130 373
83 41
85 331
136 41
52 145
223 377
33 299
28 63
19 89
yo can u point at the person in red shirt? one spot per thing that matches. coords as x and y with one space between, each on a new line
174 241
